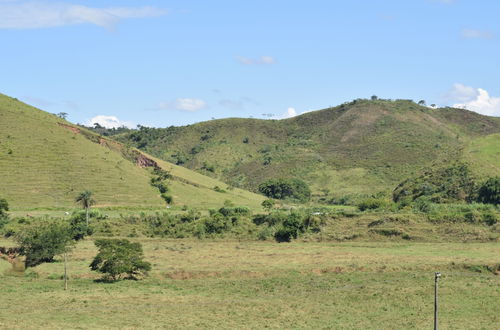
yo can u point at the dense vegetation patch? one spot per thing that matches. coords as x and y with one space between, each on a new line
453 183
286 188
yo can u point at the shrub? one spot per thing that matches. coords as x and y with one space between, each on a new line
4 206
167 198
239 210
372 204
219 189
286 188
454 183
291 227
268 204
216 224
489 192
118 257
79 227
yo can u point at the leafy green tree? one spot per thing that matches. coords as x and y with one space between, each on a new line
286 188
42 241
118 257
489 191
86 201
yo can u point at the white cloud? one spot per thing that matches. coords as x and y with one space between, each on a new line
184 104
263 60
475 99
44 14
109 122
477 34
290 113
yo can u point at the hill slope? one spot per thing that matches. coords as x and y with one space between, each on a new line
45 162
362 146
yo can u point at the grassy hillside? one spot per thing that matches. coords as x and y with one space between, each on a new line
358 147
45 162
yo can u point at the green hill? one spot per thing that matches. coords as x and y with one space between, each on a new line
45 162
358 147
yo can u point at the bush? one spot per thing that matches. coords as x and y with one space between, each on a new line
290 228
79 227
4 206
372 204
454 183
286 188
118 257
216 224
42 241
489 192
167 198
230 211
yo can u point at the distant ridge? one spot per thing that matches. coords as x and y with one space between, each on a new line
362 146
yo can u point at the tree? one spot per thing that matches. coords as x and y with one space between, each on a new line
374 97
86 201
62 115
42 241
286 188
119 256
421 102
489 192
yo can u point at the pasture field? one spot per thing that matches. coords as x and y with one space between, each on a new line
255 285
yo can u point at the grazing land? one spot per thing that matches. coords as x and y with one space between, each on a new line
242 284
46 161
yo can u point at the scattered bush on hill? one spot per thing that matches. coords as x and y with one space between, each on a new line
286 188
443 185
119 257
489 191
4 217
372 203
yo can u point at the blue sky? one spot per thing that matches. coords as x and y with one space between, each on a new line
162 63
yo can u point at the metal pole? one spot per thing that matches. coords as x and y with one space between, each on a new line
65 272
436 279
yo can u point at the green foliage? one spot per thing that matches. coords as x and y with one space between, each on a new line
85 199
463 213
42 241
167 198
489 191
79 227
454 183
286 188
268 204
372 204
119 257
219 189
290 228
4 206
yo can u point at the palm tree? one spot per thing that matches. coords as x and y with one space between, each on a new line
85 199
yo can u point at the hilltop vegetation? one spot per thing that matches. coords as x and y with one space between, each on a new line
46 161
361 147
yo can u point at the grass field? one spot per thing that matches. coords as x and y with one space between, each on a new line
255 285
